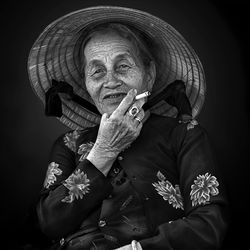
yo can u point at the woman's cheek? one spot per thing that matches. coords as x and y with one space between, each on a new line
133 79
90 86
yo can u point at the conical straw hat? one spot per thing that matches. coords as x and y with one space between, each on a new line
58 47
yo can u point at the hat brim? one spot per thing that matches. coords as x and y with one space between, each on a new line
55 54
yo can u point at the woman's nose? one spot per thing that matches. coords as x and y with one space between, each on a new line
111 81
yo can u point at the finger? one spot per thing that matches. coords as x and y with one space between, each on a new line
125 104
138 129
104 118
136 105
139 103
139 117
133 121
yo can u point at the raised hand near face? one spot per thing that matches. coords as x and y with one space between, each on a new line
117 132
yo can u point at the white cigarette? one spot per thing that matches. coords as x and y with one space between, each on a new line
138 97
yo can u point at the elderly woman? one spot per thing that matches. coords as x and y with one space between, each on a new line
136 178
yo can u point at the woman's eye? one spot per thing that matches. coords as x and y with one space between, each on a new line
123 67
98 71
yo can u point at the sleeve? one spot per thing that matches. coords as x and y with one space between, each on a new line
205 204
70 192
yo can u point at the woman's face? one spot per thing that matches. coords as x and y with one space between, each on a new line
112 68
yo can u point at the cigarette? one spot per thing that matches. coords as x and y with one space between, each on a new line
142 95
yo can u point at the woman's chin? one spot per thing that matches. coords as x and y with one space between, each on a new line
109 105
110 108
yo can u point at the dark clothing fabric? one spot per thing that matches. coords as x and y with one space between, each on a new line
165 191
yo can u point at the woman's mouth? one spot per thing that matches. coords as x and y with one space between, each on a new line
115 95
114 98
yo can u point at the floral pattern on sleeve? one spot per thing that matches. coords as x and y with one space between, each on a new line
168 191
77 184
70 139
53 170
84 150
204 186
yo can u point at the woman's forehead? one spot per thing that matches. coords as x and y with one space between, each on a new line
109 46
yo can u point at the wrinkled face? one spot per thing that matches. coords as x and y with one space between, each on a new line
112 68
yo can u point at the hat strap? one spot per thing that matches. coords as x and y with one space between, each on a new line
53 103
175 95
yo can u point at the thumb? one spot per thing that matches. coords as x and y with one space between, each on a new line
104 117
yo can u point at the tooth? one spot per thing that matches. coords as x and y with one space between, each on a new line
115 96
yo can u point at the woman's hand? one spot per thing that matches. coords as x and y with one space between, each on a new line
119 130
116 133
127 247
134 245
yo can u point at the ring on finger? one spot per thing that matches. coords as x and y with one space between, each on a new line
133 111
138 119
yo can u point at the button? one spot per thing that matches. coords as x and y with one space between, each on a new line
120 158
116 170
102 223
62 241
110 196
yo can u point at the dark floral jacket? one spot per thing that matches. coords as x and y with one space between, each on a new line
170 173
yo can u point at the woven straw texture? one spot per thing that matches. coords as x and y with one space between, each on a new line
58 47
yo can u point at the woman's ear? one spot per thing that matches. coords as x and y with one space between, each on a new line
151 75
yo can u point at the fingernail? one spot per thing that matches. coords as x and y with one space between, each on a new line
132 91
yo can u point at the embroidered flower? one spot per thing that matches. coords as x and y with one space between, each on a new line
168 192
191 124
84 150
70 139
203 187
53 170
77 184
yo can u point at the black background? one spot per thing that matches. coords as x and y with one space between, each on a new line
218 32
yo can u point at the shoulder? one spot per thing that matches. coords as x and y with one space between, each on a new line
161 123
174 129
170 123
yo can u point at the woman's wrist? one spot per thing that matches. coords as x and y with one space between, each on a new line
136 245
100 150
101 159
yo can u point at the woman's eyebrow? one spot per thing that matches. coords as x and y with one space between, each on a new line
94 63
127 56
123 56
